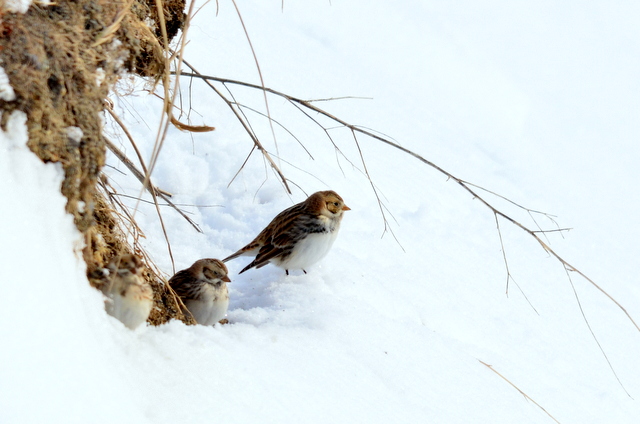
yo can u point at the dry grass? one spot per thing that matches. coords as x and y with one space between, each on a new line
526 396
62 61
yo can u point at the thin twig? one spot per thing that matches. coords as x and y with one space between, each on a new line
253 137
242 166
331 99
506 265
504 254
124 128
528 210
255 58
469 187
526 396
111 194
557 230
387 227
174 205
167 114
149 186
584 317
328 135
507 199
166 110
279 124
466 186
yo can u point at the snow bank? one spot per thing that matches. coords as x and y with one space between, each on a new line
56 361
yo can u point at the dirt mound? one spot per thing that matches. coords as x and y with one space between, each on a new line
62 61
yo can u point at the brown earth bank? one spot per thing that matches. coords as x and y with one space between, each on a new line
62 61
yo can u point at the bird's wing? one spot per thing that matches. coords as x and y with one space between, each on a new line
282 236
181 284
282 222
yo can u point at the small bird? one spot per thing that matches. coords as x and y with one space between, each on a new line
203 290
130 297
299 236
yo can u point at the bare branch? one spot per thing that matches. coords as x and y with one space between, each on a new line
245 125
506 265
279 124
331 99
306 107
465 185
161 204
242 166
526 396
387 227
557 230
586 321
153 190
255 58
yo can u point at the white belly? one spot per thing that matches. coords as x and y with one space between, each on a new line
131 310
208 312
309 251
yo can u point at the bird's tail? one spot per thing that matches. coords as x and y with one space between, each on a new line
255 264
235 255
248 250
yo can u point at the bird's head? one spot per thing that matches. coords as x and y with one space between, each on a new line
212 271
332 204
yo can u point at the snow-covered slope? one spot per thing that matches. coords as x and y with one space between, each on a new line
537 103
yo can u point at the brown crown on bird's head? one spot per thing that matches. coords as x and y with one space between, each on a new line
126 262
327 200
213 269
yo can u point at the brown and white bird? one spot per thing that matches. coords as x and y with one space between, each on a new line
299 236
203 289
130 297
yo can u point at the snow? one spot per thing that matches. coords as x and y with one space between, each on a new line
20 6
55 358
6 91
74 134
535 102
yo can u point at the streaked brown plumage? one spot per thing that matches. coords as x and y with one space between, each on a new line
299 236
130 297
203 289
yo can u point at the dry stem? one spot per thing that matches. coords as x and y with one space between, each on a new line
242 119
466 186
520 391
306 106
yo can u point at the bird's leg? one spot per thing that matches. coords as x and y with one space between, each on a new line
304 271
287 271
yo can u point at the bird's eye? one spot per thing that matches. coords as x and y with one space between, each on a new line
335 203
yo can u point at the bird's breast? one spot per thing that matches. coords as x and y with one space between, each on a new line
309 250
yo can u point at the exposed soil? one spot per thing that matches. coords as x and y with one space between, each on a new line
62 61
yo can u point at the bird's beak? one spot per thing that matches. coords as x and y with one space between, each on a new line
346 208
226 279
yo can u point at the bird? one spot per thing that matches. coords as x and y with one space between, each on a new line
203 290
129 296
299 236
